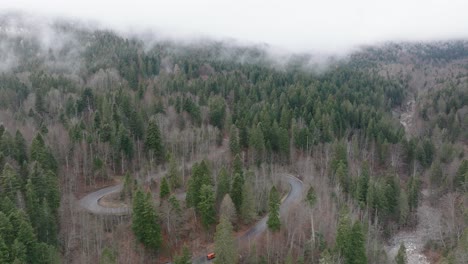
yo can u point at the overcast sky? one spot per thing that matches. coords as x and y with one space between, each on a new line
325 25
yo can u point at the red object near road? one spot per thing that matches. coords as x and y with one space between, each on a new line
210 256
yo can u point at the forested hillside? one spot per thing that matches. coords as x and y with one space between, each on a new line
199 136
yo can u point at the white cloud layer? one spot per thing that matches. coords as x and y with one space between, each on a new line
328 25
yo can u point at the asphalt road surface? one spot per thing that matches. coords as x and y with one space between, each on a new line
91 202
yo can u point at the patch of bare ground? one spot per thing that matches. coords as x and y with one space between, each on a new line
112 201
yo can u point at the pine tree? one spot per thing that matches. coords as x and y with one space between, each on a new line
21 154
153 141
413 193
400 258
363 184
342 175
40 153
273 222
206 205
145 224
257 142
248 212
175 179
404 208
343 239
460 180
225 245
165 191
223 186
127 188
311 197
357 253
185 258
10 183
4 252
236 191
201 175
234 141
227 209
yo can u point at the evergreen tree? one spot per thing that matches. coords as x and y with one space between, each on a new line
343 239
400 258
175 179
10 183
217 112
227 209
234 141
185 258
437 175
413 193
223 186
460 180
247 209
225 244
257 142
236 191
41 154
342 175
404 208
165 191
363 184
4 252
108 256
153 141
145 224
357 246
127 188
21 155
311 197
201 175
273 222
206 205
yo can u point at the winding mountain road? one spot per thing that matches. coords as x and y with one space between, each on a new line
91 203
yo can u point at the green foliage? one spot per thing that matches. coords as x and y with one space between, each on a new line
224 185
175 179
164 191
184 258
413 193
145 224
21 154
153 141
201 175
225 243
311 197
10 182
217 112
234 141
128 186
273 222
400 258
363 184
206 205
350 241
236 191
247 210
358 245
108 256
460 180
42 154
